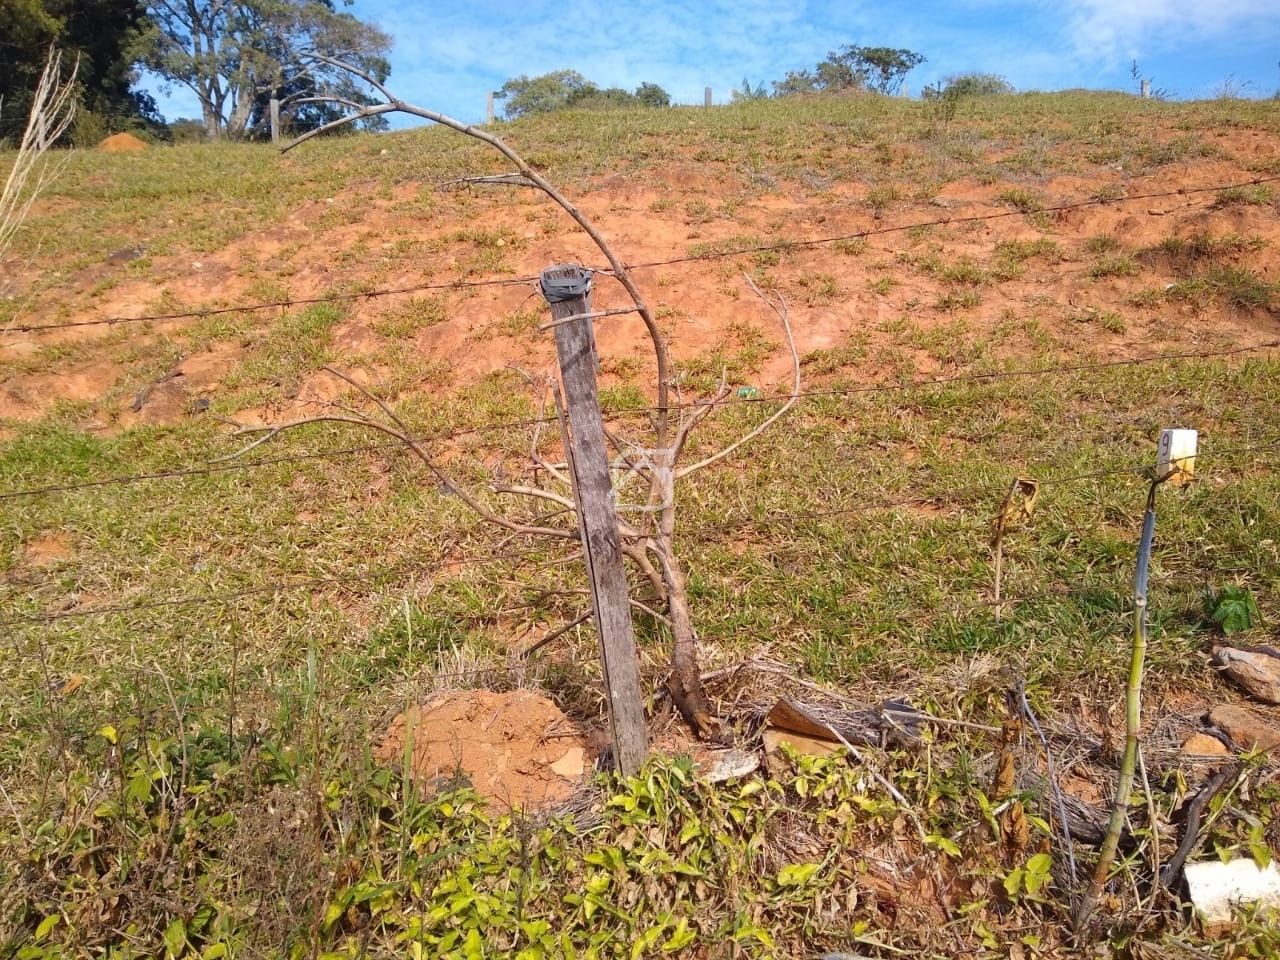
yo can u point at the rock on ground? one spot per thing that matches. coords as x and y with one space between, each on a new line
1255 670
1248 730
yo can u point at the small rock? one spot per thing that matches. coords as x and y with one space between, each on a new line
1255 670
127 255
1246 729
729 764
571 764
1203 745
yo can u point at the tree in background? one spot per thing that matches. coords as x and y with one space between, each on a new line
877 69
238 55
103 36
652 95
568 89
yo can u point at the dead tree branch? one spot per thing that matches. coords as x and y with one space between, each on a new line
780 308
649 542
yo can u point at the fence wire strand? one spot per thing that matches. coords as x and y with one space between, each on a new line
851 390
782 245
706 535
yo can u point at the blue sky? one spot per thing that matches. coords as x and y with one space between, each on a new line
448 53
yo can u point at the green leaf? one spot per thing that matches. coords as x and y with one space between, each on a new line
214 951
473 946
1013 882
175 938
1038 872
646 941
1261 853
139 788
331 915
1234 609
46 926
682 936
797 874
108 733
598 882
691 829
945 844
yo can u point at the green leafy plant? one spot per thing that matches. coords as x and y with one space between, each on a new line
1232 608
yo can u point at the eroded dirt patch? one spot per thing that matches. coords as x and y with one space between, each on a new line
47 550
517 749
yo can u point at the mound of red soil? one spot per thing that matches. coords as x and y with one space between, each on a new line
515 748
122 143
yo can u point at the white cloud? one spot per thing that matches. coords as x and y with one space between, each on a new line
1105 29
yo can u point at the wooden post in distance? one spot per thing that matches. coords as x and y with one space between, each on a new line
567 290
275 120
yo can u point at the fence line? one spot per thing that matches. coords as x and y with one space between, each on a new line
959 496
709 255
231 466
231 597
277 587
940 222
270 305
774 520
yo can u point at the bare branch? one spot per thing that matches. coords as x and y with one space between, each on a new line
53 107
496 179
466 496
593 315
553 470
362 114
366 77
331 98
554 635
780 309
538 493
701 412
638 552
619 269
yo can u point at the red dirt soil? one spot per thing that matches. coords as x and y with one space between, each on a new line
702 305
517 748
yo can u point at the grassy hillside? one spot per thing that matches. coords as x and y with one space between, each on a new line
203 653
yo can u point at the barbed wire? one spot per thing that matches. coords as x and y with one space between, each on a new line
784 245
954 497
705 535
276 587
282 304
851 390
229 466
285 303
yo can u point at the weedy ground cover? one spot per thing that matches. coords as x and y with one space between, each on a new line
197 666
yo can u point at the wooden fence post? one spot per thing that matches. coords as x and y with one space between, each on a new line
706 97
275 120
488 108
567 289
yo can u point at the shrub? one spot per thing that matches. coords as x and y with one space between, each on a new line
969 85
